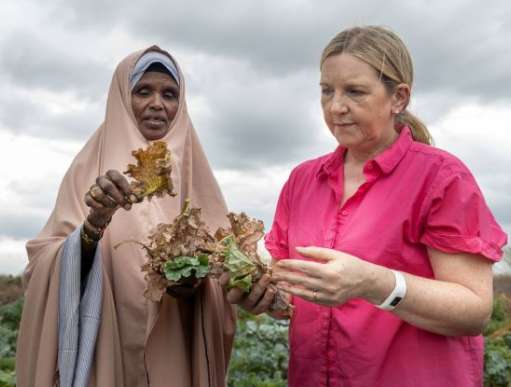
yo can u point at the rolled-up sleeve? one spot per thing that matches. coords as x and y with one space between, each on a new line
458 219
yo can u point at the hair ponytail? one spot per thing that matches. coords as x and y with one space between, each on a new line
420 132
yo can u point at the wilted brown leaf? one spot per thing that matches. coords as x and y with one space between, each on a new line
172 248
187 236
152 172
246 233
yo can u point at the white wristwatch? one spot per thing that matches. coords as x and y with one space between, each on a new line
397 294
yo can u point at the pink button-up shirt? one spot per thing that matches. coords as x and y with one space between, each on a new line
414 196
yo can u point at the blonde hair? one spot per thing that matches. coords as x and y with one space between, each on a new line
383 50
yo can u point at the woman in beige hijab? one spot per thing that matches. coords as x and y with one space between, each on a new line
86 321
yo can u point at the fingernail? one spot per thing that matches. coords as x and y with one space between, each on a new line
133 198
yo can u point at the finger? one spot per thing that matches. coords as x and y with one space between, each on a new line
197 283
318 253
264 304
224 279
90 202
122 184
235 295
181 291
100 197
312 269
257 292
306 294
283 295
297 279
111 196
190 281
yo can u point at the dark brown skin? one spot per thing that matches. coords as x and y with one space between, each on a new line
110 192
257 301
154 101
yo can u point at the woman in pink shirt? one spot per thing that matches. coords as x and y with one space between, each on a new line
386 244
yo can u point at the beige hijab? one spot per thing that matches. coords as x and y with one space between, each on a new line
171 343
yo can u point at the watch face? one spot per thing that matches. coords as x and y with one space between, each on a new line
396 301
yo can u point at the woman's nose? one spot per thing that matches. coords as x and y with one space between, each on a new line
156 102
339 105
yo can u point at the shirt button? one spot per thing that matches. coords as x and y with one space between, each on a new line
344 212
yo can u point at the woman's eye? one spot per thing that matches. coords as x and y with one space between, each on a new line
326 91
169 95
142 92
355 92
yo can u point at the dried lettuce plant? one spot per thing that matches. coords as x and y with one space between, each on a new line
152 173
184 249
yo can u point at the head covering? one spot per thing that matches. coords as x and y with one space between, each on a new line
147 60
175 341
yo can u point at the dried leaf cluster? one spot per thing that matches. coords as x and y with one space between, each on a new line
152 173
177 251
186 249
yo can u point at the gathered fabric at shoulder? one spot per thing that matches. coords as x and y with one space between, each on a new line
458 219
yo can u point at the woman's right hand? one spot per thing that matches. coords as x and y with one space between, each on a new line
257 301
110 192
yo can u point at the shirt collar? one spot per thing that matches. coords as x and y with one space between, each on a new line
387 160
331 164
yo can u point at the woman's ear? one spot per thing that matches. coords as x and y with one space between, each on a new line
400 98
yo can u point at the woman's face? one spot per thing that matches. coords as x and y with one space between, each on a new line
154 100
356 105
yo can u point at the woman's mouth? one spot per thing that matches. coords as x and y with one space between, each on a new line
343 125
155 123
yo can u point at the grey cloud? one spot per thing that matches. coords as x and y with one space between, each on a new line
33 61
23 225
38 195
458 50
502 212
256 122
459 47
23 113
261 96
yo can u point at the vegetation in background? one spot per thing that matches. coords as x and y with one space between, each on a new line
260 352
11 303
497 357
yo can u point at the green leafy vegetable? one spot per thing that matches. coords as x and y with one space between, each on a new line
185 249
184 267
239 266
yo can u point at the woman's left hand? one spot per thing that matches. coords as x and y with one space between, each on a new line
338 278
185 290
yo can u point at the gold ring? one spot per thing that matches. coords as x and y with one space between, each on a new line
93 192
114 202
314 294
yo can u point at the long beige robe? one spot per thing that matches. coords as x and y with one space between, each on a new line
170 343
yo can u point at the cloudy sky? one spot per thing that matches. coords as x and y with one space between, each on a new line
252 76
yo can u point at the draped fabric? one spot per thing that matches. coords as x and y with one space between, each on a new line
138 342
